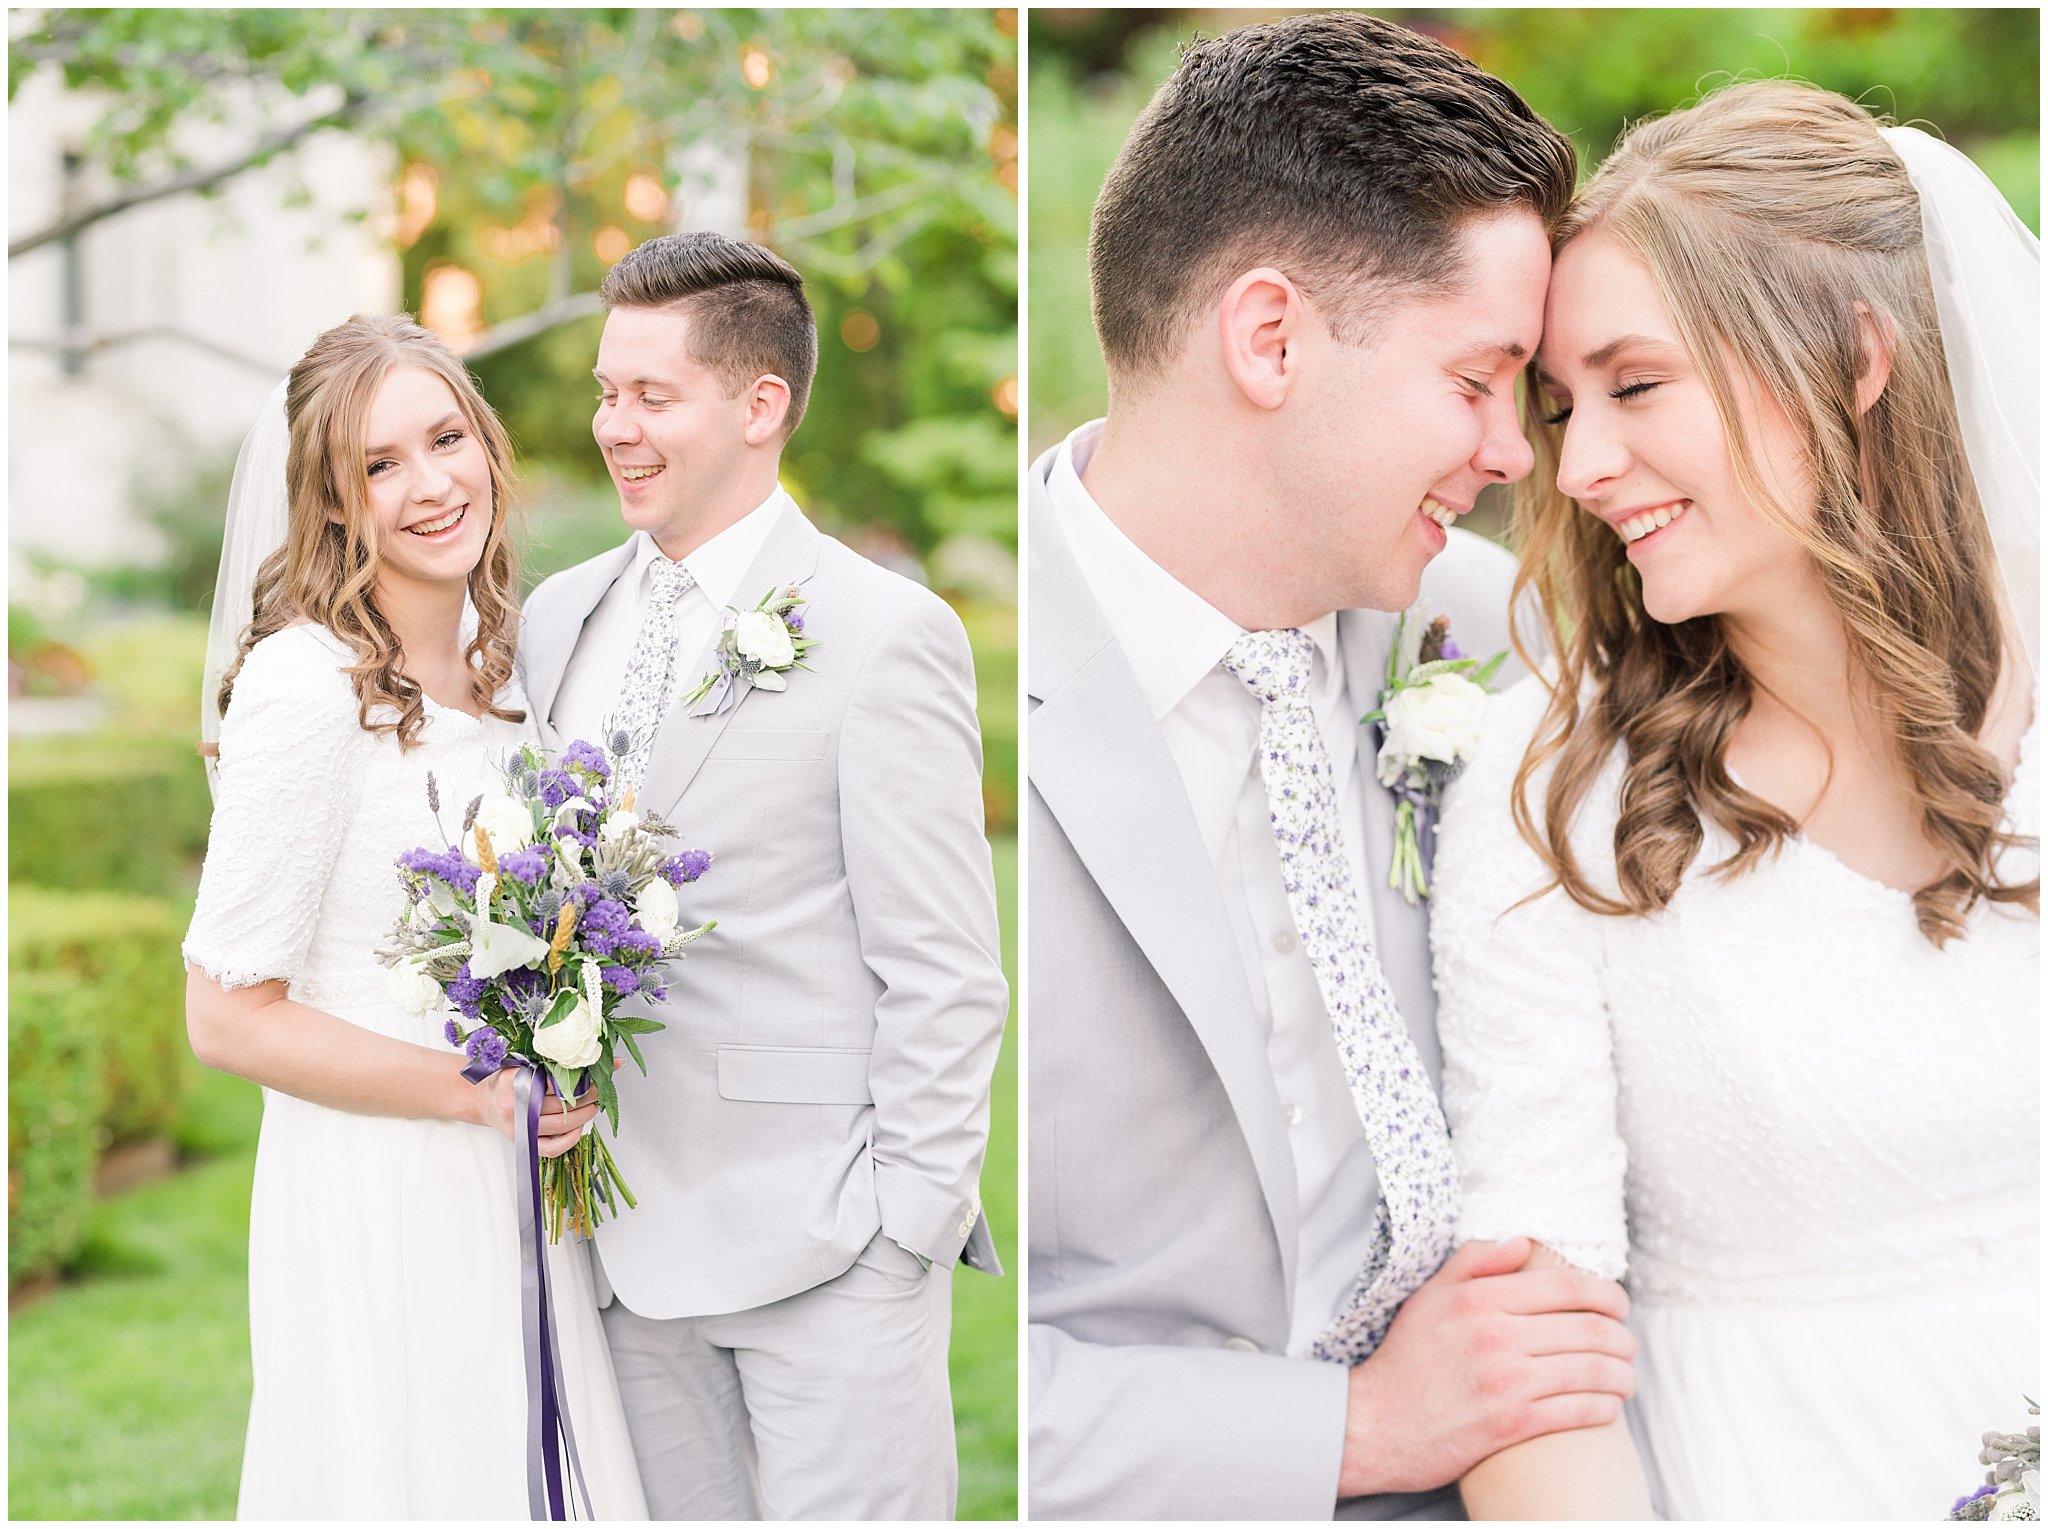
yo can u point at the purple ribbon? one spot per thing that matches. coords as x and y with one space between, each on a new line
547 1402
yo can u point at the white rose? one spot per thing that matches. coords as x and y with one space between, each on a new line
413 990
507 823
1440 720
619 823
764 639
656 909
573 1040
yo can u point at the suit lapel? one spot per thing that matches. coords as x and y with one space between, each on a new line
1132 827
788 556
549 660
1365 638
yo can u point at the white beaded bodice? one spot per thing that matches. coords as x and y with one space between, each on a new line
310 818
1776 1090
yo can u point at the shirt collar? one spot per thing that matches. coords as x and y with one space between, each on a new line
720 564
1170 635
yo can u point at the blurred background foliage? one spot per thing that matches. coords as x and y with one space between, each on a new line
1973 76
527 150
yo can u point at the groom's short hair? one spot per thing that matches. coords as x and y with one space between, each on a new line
1341 149
746 306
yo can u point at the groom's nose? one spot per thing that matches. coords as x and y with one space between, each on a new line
613 426
1504 453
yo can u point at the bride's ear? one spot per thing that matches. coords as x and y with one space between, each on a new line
1878 341
1259 325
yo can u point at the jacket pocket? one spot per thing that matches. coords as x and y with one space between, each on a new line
794 1074
794 745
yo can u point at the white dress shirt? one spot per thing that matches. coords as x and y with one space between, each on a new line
1174 641
589 693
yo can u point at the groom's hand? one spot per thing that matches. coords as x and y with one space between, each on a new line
1486 1354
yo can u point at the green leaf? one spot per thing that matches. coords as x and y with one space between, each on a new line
631 1046
1484 676
559 1009
635 1024
607 1091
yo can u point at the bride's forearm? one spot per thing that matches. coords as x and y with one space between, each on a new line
259 1034
1583 1473
1579 1473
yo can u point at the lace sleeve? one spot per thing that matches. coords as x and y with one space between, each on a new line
290 767
1529 1084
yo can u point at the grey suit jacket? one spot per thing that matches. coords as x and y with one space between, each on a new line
825 1070
1163 1221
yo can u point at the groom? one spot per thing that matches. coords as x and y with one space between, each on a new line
1318 266
806 1145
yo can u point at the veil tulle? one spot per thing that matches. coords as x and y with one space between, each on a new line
256 521
1986 267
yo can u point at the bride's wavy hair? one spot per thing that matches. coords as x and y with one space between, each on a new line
326 571
1771 215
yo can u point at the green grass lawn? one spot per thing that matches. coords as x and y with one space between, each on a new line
128 1389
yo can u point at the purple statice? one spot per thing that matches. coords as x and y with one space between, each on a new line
794 620
556 787
602 926
637 941
1451 650
622 980
570 831
525 981
467 993
453 1031
687 866
587 757
527 865
449 866
488 1047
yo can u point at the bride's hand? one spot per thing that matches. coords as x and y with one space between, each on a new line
561 1122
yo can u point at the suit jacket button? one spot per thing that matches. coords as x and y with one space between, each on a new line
967 1226
1241 1345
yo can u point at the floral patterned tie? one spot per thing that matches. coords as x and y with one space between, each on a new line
1404 1123
650 671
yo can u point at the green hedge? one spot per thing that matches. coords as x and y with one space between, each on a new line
124 951
54 1052
122 813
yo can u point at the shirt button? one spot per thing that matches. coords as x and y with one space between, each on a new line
1241 1345
1294 1113
1285 942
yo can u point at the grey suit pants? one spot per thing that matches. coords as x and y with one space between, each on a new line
830 1404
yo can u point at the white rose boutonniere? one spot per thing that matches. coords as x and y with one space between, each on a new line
756 651
1430 717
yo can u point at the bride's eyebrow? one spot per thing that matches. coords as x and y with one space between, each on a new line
1615 346
452 417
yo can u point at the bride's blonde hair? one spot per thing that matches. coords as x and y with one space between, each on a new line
326 570
1771 216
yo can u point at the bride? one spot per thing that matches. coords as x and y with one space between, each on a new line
384 1252
1737 919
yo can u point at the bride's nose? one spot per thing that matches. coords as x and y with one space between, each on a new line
433 483
1590 459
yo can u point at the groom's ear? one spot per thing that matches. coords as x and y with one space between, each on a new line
1259 321
767 408
1877 340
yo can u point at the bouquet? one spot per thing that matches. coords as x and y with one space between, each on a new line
1430 716
2012 1485
553 903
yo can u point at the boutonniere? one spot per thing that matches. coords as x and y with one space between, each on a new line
756 651
1429 718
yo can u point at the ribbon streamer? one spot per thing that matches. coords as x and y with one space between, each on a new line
547 1402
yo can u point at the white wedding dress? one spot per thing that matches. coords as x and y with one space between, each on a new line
1811 1138
384 1276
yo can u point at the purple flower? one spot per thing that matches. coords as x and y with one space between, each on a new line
586 756
467 992
556 787
1452 650
488 1047
569 831
794 620
687 866
453 1031
622 980
449 866
527 865
638 941
604 922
